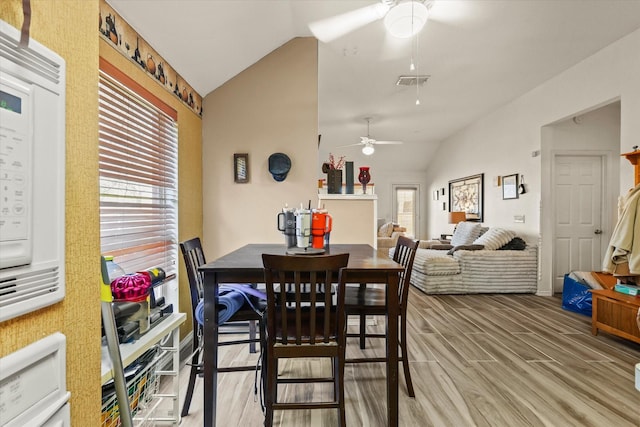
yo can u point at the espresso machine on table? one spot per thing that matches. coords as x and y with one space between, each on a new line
306 231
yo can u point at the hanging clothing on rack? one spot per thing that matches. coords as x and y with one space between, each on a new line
622 257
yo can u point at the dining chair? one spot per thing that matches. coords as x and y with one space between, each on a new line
366 301
304 320
193 256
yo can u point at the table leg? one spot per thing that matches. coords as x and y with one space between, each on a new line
392 349
210 356
363 320
594 315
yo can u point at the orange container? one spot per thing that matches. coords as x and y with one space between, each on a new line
321 223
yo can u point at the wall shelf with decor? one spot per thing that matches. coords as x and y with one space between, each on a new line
357 190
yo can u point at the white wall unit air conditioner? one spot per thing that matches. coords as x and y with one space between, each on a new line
33 385
32 175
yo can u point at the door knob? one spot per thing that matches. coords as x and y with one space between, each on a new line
597 231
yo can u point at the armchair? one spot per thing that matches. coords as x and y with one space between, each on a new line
388 234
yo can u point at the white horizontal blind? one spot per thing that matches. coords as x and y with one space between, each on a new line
138 180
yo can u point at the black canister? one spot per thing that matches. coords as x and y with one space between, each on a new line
287 224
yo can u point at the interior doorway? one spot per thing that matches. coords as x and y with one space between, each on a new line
577 186
579 191
406 207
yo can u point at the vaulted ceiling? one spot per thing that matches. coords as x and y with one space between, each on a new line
479 55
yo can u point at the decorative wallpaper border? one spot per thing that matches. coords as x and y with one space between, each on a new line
119 34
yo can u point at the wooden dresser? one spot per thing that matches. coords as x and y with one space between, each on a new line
612 311
615 313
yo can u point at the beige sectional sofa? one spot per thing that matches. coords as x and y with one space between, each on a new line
388 234
478 260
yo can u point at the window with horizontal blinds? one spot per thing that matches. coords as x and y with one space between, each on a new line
138 163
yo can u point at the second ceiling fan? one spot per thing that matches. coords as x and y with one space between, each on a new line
368 143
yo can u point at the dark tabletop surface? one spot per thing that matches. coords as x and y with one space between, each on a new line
361 257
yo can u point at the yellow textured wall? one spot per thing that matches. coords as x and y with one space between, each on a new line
189 162
270 107
68 27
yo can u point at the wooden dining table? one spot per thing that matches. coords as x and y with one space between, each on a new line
244 265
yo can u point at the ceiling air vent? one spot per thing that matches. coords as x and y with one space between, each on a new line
412 80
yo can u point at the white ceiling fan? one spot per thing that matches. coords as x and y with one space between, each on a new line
402 19
368 143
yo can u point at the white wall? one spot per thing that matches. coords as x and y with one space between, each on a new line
245 115
502 142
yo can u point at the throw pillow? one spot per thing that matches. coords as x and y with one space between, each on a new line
494 238
386 230
466 233
441 247
465 248
516 244
428 244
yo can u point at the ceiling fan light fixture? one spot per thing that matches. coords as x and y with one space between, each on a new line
368 149
406 19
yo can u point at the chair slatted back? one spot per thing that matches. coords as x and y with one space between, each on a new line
193 258
405 253
300 306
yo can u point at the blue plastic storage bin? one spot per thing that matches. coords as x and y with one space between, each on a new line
576 296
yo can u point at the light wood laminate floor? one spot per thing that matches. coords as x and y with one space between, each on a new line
476 360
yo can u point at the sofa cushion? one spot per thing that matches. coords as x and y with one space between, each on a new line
435 263
494 238
465 233
385 230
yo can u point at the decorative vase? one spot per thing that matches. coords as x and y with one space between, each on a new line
349 177
364 177
334 181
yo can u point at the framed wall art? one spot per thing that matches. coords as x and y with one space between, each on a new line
467 195
241 168
510 187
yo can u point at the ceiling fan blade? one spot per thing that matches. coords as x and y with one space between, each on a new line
450 13
389 142
329 29
350 145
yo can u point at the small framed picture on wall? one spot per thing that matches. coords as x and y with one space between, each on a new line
510 187
241 168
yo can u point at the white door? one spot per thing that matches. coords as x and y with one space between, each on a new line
577 189
406 207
